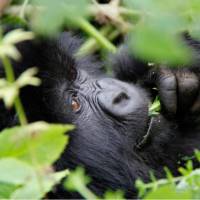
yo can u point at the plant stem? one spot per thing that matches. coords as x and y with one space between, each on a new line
20 111
114 35
91 30
11 78
8 70
91 44
176 180
129 12
86 193
22 11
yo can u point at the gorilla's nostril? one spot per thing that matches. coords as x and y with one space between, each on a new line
120 97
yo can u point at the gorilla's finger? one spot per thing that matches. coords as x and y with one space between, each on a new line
167 87
188 85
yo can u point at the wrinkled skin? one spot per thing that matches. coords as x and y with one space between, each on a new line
110 113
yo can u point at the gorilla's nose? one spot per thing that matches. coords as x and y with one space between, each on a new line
118 98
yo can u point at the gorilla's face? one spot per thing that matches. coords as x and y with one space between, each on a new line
106 111
110 115
100 103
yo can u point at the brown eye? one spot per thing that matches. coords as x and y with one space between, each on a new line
75 104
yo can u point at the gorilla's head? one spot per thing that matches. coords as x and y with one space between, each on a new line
110 115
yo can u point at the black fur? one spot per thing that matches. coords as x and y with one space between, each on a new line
113 117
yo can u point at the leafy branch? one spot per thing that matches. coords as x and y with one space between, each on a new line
7 49
188 182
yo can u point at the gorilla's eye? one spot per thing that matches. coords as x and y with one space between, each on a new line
75 104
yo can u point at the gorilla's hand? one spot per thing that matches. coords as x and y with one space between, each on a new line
179 92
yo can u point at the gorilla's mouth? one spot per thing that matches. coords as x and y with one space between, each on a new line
145 139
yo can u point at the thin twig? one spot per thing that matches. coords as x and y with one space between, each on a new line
23 9
90 45
11 78
91 30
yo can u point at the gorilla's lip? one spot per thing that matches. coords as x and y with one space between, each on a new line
146 137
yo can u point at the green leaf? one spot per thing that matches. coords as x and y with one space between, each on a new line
16 36
156 45
14 172
7 43
10 51
189 165
37 187
169 175
117 195
155 36
38 143
140 185
28 78
13 21
10 90
190 180
77 179
23 181
193 26
197 154
154 108
7 189
57 13
168 192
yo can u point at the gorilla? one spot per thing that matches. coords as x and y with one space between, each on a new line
115 139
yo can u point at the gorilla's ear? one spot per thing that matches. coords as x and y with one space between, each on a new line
127 67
